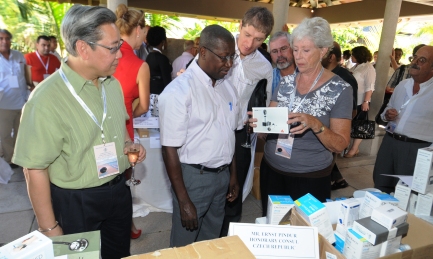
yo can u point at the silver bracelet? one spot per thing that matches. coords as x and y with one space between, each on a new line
48 229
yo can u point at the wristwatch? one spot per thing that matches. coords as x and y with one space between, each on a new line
320 131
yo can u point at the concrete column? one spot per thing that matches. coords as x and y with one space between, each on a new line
390 20
112 4
280 11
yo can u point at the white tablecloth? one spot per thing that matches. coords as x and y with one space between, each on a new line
154 192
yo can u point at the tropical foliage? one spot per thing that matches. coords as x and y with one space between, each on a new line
172 24
192 33
27 19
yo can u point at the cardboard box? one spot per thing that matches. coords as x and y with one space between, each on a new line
143 133
92 250
423 174
357 247
389 216
278 206
220 248
375 233
33 245
316 214
373 200
349 212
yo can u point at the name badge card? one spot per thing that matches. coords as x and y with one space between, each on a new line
13 81
271 120
106 160
278 241
146 123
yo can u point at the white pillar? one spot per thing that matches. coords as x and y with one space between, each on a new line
280 11
112 4
390 20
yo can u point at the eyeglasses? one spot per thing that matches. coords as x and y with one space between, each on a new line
113 50
282 49
223 59
415 59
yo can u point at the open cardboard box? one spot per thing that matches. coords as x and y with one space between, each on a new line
220 248
419 237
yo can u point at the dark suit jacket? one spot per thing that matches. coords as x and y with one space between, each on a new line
160 71
348 77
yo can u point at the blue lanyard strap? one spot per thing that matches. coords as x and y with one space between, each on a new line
85 107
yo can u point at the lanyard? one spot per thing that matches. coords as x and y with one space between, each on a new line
85 107
292 96
45 65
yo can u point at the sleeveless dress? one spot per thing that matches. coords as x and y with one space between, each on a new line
126 73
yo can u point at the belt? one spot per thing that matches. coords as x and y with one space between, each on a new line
113 181
405 138
207 169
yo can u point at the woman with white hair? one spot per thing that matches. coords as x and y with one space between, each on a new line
320 112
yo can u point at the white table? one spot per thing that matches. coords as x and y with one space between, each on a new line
154 192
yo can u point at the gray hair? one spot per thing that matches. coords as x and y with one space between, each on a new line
188 44
316 29
6 32
83 23
278 35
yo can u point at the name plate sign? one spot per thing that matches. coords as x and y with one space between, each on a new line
278 241
146 123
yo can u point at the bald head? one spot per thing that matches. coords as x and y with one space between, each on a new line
421 67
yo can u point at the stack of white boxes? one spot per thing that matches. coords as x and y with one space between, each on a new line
423 183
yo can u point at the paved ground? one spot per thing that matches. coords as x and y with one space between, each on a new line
17 218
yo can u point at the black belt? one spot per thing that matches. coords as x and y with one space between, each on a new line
113 181
207 169
405 138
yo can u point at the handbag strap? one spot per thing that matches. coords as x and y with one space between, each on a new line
359 113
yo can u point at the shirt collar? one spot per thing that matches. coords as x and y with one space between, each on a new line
77 81
426 83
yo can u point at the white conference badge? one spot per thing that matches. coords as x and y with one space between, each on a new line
13 81
106 160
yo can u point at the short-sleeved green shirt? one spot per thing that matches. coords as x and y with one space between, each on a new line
57 133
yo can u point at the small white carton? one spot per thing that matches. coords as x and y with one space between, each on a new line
373 200
312 210
349 212
32 245
375 233
278 206
357 247
402 194
423 174
389 216
390 246
339 242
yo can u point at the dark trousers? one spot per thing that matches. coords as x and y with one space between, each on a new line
233 210
275 183
107 208
394 157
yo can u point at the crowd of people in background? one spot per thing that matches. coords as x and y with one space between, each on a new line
116 69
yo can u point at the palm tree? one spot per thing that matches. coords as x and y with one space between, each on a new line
171 24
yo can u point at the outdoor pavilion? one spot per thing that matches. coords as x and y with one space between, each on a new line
339 13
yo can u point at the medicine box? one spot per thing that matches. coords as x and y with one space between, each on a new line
278 206
373 200
389 216
357 247
349 212
312 210
375 233
32 245
390 246
339 242
423 174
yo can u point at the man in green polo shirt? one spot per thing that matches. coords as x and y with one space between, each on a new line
72 138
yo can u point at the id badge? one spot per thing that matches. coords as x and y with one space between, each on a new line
13 81
391 127
106 160
285 145
46 75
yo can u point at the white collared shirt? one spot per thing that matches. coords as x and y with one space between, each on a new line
365 76
246 73
14 97
416 118
199 118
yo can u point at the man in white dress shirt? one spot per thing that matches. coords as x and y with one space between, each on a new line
189 51
410 122
13 94
199 113
248 69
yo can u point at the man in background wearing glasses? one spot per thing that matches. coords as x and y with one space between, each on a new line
409 115
199 113
282 57
71 143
